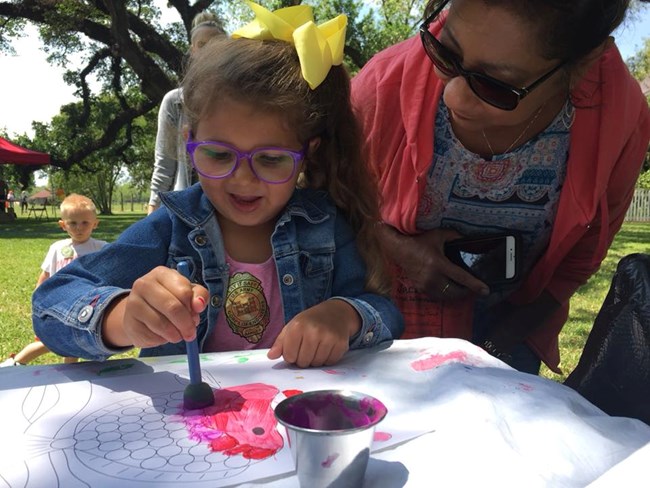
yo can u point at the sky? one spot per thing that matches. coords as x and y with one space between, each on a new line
34 90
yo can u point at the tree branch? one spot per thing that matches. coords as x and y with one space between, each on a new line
108 137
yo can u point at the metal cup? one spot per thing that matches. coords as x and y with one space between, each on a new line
330 433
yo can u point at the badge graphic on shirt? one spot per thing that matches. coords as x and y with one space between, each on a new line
67 252
246 308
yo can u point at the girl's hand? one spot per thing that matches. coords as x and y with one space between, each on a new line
422 258
317 336
163 307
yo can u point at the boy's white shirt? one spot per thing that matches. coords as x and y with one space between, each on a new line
63 252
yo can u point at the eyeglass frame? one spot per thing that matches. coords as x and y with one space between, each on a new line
298 157
520 93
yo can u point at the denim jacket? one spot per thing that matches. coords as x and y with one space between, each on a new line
313 246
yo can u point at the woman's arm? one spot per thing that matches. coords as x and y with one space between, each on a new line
166 151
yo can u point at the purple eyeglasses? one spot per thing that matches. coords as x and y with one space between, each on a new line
217 160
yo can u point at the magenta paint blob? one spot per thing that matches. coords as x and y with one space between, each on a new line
331 410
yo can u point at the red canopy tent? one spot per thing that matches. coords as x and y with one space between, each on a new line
11 153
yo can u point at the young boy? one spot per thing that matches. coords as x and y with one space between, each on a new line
78 219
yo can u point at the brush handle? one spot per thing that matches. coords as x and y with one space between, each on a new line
192 346
193 361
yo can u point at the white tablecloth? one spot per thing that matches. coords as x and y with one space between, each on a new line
457 417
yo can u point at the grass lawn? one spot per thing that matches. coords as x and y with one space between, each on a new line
24 243
634 237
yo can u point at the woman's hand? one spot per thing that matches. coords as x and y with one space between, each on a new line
163 307
423 260
317 336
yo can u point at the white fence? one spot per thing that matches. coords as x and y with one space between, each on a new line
639 210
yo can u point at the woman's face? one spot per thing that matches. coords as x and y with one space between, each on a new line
495 42
201 36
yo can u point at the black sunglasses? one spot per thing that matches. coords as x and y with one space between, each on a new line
497 93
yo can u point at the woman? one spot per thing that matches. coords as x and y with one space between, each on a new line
503 116
171 169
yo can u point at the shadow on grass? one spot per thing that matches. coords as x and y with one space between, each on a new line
110 227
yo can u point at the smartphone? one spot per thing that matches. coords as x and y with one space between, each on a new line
492 259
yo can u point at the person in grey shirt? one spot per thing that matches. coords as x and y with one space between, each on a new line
172 170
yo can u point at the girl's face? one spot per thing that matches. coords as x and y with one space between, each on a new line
241 199
495 42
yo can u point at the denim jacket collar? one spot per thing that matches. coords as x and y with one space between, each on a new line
195 209
191 206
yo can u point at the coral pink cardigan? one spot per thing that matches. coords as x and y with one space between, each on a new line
396 96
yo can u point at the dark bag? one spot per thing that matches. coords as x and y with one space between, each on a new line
614 369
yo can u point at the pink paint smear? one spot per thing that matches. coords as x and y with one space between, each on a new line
524 387
382 437
330 460
334 371
435 360
241 422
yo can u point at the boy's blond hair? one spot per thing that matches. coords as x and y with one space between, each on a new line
74 202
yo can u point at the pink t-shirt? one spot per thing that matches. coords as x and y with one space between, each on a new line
252 316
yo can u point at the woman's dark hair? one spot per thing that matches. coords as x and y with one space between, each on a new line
567 29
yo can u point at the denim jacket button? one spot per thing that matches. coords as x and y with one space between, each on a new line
368 337
200 240
215 301
287 279
85 314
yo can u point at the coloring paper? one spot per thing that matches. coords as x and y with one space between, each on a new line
122 423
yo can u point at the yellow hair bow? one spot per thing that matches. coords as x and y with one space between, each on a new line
319 47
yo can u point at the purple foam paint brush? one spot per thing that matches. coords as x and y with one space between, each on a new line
197 394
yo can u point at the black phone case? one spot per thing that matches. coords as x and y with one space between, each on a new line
453 249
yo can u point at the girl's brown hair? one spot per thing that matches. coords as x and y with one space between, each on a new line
267 75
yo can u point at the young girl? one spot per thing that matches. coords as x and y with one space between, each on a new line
270 233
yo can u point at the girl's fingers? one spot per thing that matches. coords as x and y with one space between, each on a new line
200 300
276 350
172 313
320 356
291 347
148 327
336 355
168 304
141 335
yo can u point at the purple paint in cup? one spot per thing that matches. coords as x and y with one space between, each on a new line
330 433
